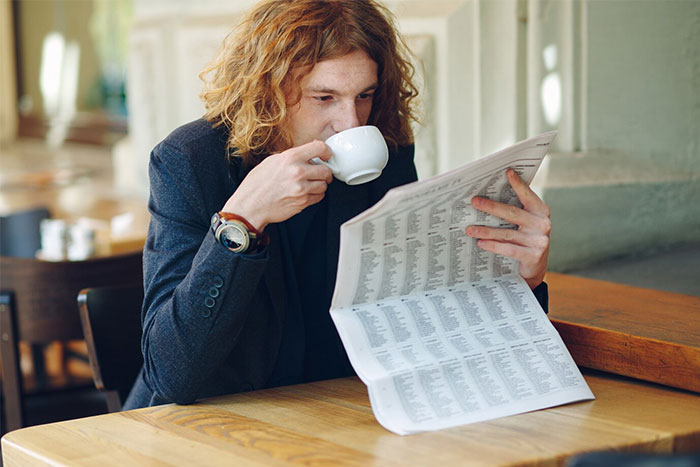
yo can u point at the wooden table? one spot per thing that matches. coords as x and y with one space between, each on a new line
331 422
647 334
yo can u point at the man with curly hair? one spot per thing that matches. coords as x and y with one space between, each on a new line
241 255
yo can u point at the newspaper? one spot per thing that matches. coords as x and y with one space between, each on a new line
442 332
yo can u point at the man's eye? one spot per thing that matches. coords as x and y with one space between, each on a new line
365 95
323 98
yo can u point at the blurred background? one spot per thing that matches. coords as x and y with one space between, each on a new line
89 86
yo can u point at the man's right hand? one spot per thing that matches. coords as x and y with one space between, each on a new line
282 185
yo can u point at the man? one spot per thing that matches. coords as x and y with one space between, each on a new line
241 254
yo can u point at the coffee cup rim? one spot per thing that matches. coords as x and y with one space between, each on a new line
354 130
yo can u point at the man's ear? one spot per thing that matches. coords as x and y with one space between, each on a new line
291 84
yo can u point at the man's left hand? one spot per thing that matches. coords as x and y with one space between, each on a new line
530 242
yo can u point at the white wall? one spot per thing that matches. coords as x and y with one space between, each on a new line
626 177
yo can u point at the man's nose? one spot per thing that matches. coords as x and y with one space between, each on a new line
347 117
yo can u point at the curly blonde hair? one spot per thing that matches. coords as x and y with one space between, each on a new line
245 85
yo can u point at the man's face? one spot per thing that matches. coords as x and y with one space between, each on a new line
336 95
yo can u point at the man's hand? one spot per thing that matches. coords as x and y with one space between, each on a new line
530 242
282 185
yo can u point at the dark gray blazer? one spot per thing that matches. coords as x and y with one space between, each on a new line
212 319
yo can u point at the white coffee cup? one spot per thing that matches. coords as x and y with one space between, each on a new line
359 154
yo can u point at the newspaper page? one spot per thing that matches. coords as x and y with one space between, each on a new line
442 332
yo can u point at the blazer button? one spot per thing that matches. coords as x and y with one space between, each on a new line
206 313
209 302
218 282
213 292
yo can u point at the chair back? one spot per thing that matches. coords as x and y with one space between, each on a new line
38 305
111 318
20 234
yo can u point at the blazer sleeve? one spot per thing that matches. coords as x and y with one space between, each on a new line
193 310
541 293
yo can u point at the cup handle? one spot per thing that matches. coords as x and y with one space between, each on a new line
318 160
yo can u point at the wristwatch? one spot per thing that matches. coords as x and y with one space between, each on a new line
236 233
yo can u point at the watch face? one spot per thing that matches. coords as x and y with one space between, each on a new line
234 237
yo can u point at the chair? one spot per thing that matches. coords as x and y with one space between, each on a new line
20 234
20 237
111 318
38 306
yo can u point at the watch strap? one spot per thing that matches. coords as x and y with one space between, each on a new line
257 239
259 236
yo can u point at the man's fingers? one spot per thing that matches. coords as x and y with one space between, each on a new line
307 152
510 250
519 237
313 199
531 202
320 172
507 212
526 255
534 216
299 165
317 187
533 261
529 243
